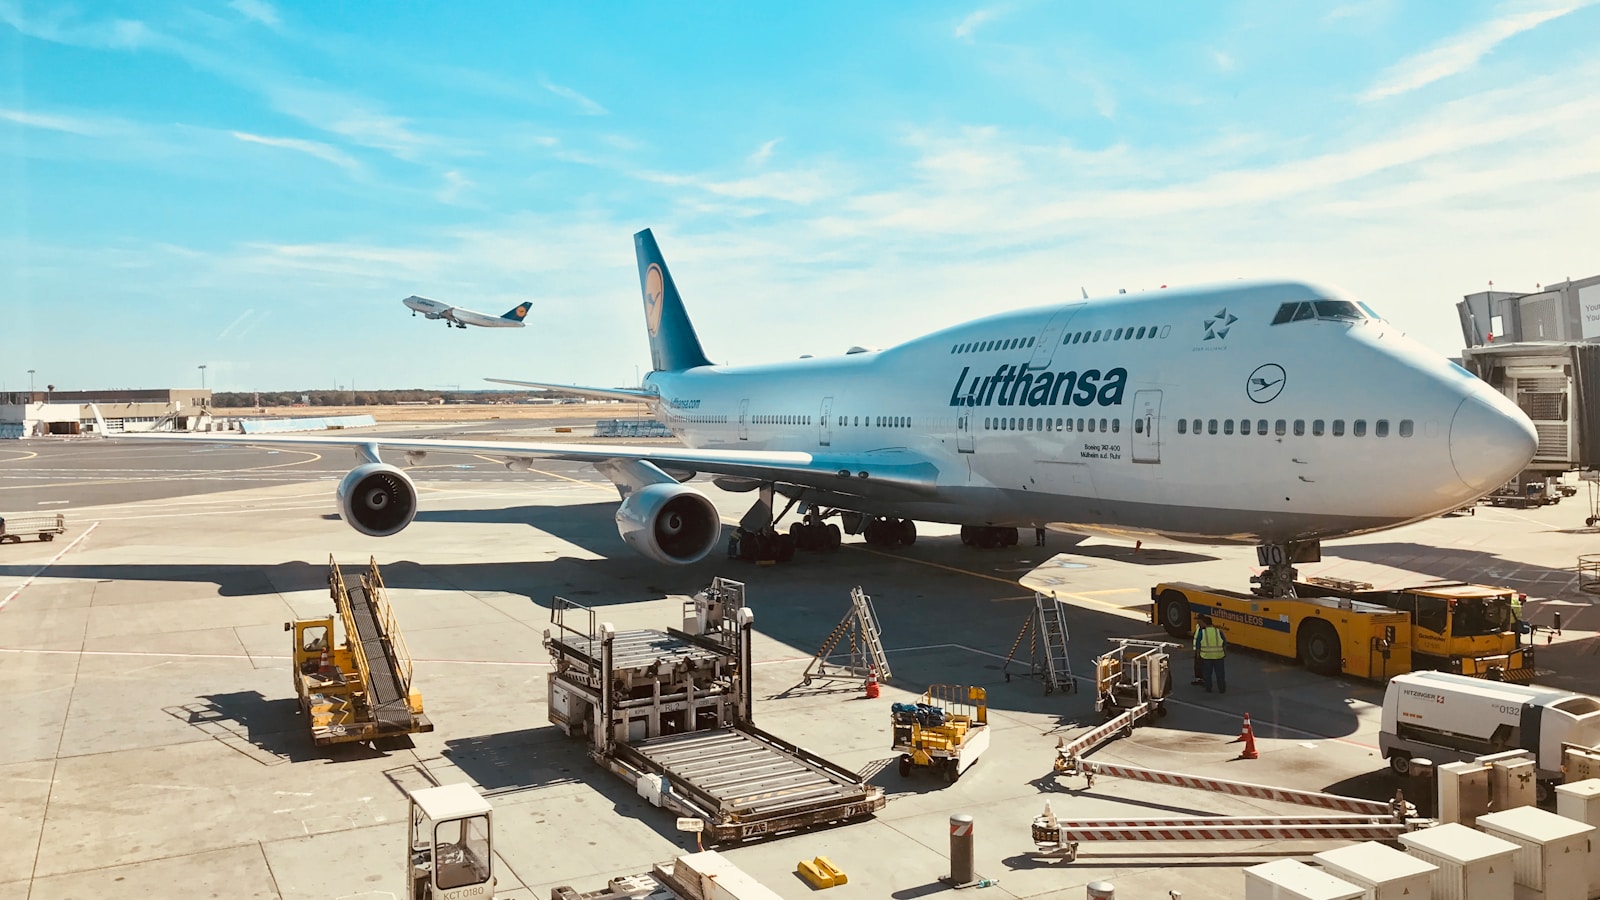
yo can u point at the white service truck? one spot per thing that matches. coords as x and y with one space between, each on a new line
1450 718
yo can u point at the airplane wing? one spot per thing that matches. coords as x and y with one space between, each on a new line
881 473
603 393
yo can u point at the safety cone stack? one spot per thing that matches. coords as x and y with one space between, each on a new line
1248 736
326 665
872 683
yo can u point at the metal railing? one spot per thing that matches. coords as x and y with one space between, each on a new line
1589 573
378 596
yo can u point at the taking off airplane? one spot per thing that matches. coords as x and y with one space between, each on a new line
461 318
1274 413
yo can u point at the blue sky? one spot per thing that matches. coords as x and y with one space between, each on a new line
254 186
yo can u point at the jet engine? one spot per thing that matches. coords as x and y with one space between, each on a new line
669 523
377 499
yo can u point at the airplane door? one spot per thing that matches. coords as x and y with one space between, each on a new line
964 440
1147 426
824 421
744 420
1044 346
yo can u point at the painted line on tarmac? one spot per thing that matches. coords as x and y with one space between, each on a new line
179 476
53 560
1112 608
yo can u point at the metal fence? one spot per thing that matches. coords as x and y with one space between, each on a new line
630 428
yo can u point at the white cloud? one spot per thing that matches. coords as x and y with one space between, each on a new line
971 23
1462 51
49 122
321 151
585 105
454 185
763 152
1223 60
257 11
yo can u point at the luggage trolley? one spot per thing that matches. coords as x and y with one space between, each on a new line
1135 676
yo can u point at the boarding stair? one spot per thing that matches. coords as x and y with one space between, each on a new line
1046 631
860 632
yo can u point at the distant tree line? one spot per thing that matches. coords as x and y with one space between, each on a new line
244 399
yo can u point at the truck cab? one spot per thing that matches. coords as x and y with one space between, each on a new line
450 848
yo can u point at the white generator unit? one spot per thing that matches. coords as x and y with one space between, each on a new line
1446 717
1381 871
1580 802
1552 851
1472 865
1290 879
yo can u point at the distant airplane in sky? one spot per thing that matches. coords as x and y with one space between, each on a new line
461 318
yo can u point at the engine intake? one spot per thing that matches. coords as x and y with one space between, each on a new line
669 523
377 499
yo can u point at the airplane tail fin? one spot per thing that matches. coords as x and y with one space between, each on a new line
673 344
517 313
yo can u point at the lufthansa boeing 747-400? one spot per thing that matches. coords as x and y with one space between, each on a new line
461 318
1274 413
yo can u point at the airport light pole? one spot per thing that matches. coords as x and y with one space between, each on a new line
30 385
202 378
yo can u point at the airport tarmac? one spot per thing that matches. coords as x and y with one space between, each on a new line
154 744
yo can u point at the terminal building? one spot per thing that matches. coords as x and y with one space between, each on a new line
25 414
1542 350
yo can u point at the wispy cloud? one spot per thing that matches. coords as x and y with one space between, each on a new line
454 185
49 122
257 11
965 28
1462 51
240 320
797 186
763 152
1223 60
585 105
325 152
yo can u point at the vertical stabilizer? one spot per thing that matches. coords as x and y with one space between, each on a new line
516 313
673 344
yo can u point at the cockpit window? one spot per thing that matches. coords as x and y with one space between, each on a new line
1369 310
1339 309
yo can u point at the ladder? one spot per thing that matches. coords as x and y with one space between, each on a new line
859 628
1046 625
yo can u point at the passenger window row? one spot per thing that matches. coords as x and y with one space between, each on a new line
1281 427
986 346
1126 333
1024 423
780 420
876 421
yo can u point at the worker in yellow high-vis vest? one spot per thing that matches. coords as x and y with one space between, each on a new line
1211 648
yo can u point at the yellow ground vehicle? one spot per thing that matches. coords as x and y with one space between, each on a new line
1468 629
358 688
948 730
1330 635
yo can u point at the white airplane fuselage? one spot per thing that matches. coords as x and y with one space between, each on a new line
1187 414
434 309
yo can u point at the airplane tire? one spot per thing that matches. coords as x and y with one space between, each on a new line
905 766
835 537
1010 536
908 532
786 547
966 536
1400 763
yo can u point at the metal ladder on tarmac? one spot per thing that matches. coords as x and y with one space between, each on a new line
1048 647
866 656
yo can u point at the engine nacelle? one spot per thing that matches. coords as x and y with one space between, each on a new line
669 523
377 499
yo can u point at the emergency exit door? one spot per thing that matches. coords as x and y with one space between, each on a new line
1147 426
744 420
825 423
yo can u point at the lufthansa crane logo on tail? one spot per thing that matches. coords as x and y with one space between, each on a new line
522 310
654 287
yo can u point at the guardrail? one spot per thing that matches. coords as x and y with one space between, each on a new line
1589 573
630 428
310 423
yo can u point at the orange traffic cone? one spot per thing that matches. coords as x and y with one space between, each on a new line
872 683
1248 736
326 665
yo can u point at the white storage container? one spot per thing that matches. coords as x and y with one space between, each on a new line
1382 871
1552 854
1472 865
1290 879
1581 803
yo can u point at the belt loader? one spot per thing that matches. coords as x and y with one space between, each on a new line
670 712
358 688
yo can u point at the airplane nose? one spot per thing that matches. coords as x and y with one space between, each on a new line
1490 441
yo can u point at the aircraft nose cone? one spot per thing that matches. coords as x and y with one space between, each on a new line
1490 441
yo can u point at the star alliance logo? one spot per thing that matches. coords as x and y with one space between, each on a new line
1217 326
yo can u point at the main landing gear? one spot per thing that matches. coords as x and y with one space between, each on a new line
988 537
890 532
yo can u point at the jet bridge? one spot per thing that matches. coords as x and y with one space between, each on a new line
670 712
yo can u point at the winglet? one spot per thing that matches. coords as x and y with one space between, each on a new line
673 344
